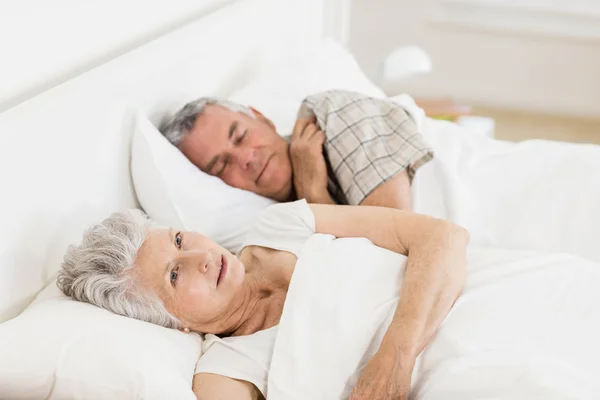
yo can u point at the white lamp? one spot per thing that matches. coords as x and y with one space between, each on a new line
403 62
407 61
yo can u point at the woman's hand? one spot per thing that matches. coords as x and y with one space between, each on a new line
386 377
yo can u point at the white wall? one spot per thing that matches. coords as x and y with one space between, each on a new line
43 42
522 70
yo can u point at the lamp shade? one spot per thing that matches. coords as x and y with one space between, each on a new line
405 61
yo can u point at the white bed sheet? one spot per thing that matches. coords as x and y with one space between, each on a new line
525 327
532 195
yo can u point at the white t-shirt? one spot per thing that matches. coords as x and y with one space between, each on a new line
283 226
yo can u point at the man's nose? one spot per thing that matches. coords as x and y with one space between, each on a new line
245 158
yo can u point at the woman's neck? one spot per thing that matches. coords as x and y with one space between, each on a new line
261 303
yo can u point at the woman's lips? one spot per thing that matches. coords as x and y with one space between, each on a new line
223 270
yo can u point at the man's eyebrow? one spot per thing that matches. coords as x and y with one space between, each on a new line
212 163
234 125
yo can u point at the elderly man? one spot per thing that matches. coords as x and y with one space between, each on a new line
346 148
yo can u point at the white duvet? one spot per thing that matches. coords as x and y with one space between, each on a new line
533 195
525 327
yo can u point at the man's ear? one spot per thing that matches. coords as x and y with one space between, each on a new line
262 117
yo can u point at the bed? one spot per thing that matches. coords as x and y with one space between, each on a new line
65 163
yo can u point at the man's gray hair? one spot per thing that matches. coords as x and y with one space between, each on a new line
175 127
98 270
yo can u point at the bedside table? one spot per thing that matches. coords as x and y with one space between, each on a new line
448 109
443 108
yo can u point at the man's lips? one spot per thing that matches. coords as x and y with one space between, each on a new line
263 169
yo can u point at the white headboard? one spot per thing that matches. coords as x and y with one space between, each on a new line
64 154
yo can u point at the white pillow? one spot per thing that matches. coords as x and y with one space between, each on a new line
174 192
60 348
279 90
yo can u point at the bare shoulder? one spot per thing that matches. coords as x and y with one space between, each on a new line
217 387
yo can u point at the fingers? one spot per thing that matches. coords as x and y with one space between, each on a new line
300 125
307 138
319 137
312 133
307 129
310 130
312 138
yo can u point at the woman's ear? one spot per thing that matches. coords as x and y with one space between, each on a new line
262 117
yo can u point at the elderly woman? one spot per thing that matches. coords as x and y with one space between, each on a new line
184 280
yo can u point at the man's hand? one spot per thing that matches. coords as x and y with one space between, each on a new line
386 377
308 162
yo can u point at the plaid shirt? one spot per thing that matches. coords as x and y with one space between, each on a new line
368 141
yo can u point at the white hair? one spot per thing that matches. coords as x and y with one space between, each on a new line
175 127
97 270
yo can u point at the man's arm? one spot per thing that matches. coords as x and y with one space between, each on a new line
217 387
310 172
374 147
434 278
394 193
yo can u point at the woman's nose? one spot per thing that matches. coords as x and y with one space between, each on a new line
198 259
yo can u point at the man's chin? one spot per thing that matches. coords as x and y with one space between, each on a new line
283 195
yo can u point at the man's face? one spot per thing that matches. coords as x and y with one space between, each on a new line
245 152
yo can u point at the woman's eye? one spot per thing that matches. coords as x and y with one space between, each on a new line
174 275
178 240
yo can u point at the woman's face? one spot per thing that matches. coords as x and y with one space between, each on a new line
197 279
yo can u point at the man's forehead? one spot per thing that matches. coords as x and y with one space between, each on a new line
214 114
211 127
204 140
209 136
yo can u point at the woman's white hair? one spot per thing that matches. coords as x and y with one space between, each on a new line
175 127
97 270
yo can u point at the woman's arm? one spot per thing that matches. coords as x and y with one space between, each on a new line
218 387
435 270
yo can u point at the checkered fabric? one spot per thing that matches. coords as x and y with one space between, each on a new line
368 141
